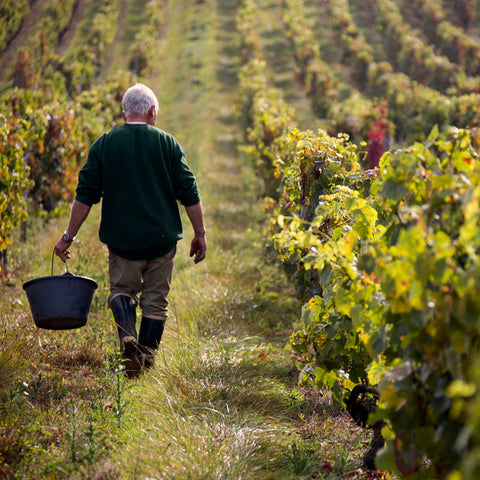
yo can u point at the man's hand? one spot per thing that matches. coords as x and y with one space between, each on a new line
78 215
199 242
198 248
61 249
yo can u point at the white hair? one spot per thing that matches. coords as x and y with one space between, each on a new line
138 99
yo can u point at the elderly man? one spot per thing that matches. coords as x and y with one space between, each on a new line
140 172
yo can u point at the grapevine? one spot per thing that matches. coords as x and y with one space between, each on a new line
385 264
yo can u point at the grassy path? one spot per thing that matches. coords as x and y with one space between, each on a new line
218 403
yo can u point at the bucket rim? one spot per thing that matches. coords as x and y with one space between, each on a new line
65 276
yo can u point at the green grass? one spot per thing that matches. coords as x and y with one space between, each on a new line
209 399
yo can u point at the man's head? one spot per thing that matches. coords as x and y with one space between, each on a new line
139 103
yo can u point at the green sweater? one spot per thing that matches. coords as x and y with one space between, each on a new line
141 172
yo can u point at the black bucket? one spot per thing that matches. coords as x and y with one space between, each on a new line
60 302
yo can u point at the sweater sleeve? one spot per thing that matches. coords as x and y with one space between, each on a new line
90 178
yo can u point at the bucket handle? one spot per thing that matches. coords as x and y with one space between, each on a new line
66 266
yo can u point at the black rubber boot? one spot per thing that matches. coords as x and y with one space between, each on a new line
151 332
124 312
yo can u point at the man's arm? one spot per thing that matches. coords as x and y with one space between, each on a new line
199 242
78 215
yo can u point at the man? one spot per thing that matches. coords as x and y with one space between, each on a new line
140 172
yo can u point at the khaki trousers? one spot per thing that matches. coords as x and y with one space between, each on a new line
151 279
